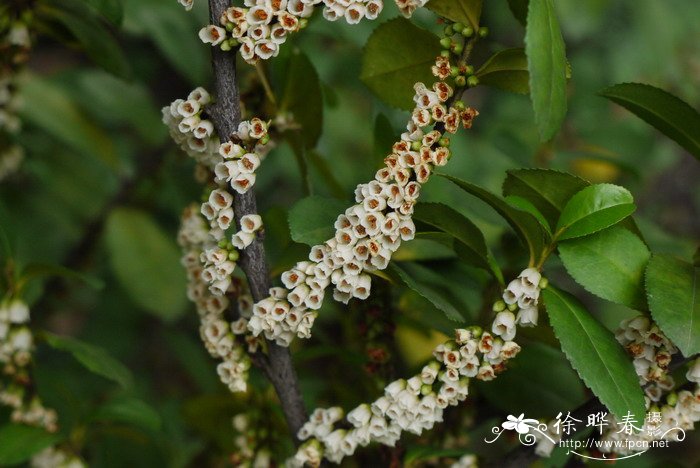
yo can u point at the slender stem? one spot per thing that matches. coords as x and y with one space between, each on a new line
266 84
227 115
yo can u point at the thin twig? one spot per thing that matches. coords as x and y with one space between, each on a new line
227 115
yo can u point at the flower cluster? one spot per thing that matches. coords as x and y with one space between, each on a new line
16 348
224 339
53 457
15 42
241 156
521 296
369 232
191 129
251 449
416 404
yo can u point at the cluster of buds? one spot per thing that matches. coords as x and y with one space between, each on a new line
369 232
453 41
224 340
53 457
651 352
412 405
191 129
241 156
16 348
15 42
249 441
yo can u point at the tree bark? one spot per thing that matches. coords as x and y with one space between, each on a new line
226 114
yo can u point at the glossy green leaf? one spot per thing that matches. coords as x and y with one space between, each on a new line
673 292
92 34
384 137
544 47
397 55
311 219
44 100
525 225
411 275
303 97
110 9
506 70
467 12
595 354
547 189
426 246
519 9
670 115
609 264
37 270
146 261
594 208
130 411
455 224
94 358
18 443
523 204
535 389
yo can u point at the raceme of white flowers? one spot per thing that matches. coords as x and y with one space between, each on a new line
369 232
251 449
16 348
651 351
416 404
260 27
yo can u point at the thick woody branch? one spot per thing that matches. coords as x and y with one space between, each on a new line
226 114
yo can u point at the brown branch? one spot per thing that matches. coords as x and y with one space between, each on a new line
226 114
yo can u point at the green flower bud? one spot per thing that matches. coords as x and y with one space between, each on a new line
672 398
512 307
469 70
444 142
304 22
449 30
445 42
450 345
233 255
265 140
416 145
454 71
445 53
426 389
225 46
472 81
222 243
461 81
476 330
468 31
459 105
483 31
457 48
458 26
499 306
229 27
544 282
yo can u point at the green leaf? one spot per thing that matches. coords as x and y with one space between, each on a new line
35 270
506 70
548 190
519 9
673 291
130 411
311 219
595 354
110 9
523 204
303 97
670 115
426 246
94 358
535 389
546 58
397 55
526 226
18 443
99 44
44 100
408 272
322 166
594 208
146 262
467 12
609 264
461 228
384 137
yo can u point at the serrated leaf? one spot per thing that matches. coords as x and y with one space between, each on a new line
544 47
595 354
467 12
523 204
538 391
397 55
303 97
525 225
506 70
18 442
311 219
670 115
96 40
594 208
673 292
408 271
519 9
146 261
547 189
609 264
130 411
44 100
94 358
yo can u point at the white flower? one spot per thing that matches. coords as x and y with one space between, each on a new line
513 292
504 325
530 279
360 416
241 239
251 223
527 317
18 312
213 35
693 374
